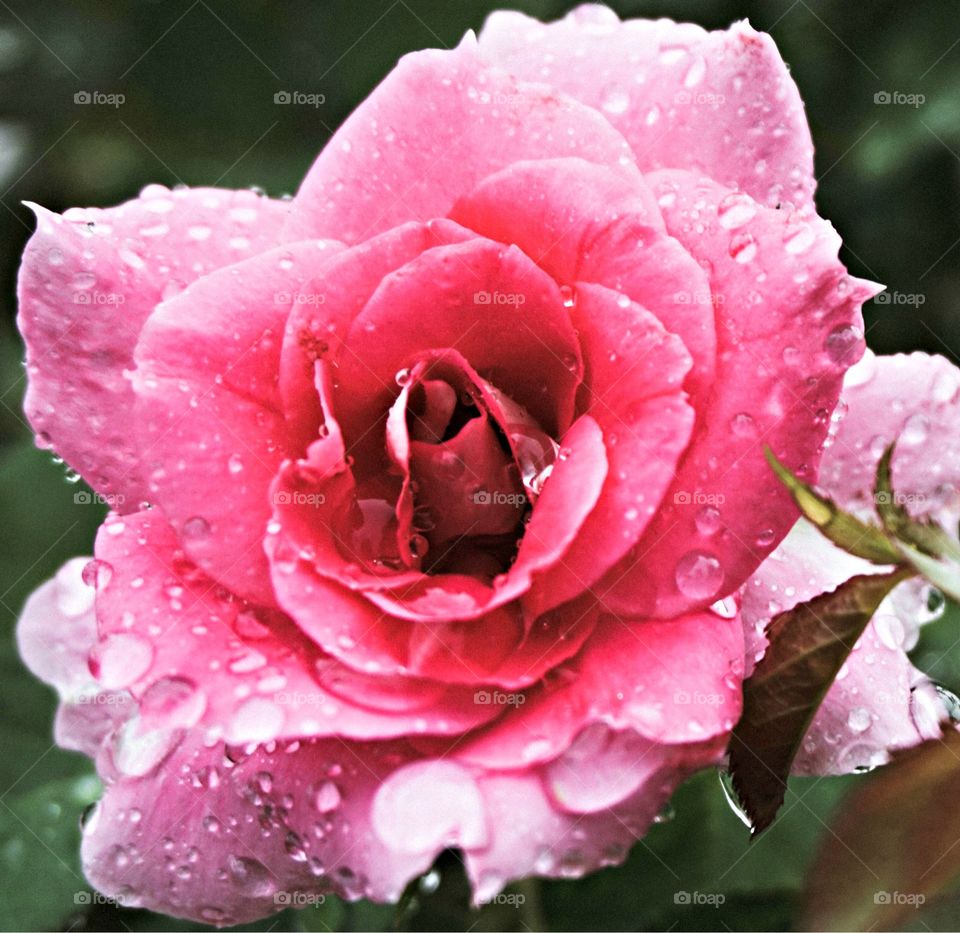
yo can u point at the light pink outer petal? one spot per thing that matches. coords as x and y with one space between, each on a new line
210 422
229 838
439 122
196 657
88 281
913 400
721 103
880 702
56 630
788 327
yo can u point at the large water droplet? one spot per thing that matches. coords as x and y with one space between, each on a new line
698 575
120 660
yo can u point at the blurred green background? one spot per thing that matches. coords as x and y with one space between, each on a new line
199 78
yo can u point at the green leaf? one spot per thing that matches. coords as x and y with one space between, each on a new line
844 530
924 534
944 576
893 848
39 854
808 645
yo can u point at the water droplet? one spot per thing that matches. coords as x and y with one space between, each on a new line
708 521
235 464
617 101
915 430
698 575
252 876
735 210
327 798
196 527
798 239
844 344
859 719
743 248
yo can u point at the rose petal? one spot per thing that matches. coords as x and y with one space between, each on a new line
89 280
194 655
672 681
721 103
211 429
396 159
788 327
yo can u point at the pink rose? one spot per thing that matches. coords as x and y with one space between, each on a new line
429 485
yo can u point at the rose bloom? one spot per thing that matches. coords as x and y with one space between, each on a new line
434 488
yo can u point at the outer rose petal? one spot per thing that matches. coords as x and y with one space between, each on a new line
398 159
788 326
196 657
57 627
360 820
881 702
211 429
674 681
722 103
913 400
88 281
